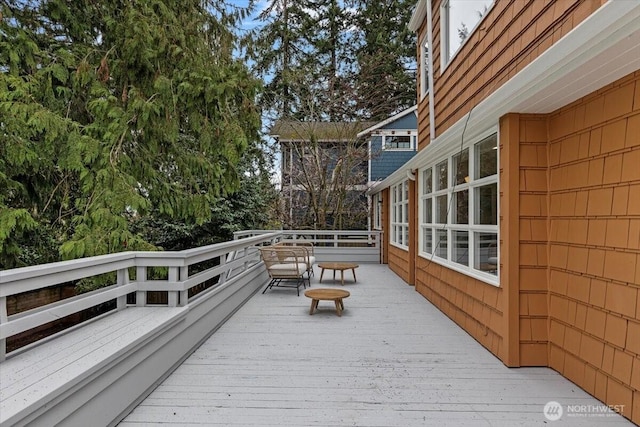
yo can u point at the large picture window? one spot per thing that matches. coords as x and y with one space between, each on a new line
458 210
400 214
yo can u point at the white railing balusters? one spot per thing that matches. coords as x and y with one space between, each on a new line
184 294
227 272
123 279
141 277
174 277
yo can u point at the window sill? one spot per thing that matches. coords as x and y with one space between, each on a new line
487 278
399 246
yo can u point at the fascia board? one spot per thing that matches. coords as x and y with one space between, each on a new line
418 16
387 121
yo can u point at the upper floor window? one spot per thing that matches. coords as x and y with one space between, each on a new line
424 65
458 19
405 140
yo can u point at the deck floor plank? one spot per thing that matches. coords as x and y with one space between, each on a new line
392 359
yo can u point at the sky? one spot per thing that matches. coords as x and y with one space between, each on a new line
249 23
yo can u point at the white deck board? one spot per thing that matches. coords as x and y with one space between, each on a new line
392 359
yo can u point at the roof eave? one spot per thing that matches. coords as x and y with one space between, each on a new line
419 15
387 121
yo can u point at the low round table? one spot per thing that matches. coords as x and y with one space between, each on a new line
326 294
342 266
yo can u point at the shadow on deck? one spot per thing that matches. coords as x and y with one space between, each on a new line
392 359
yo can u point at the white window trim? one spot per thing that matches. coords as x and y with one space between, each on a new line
413 137
450 226
397 199
444 35
377 211
424 66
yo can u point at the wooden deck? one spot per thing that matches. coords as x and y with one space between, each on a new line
392 359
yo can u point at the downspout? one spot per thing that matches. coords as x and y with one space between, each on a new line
432 110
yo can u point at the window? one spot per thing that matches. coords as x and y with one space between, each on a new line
399 140
458 19
424 65
400 214
458 210
377 211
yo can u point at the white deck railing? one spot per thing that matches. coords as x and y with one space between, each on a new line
330 245
120 355
230 259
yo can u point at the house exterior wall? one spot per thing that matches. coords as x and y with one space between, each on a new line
424 136
385 162
512 35
399 262
570 248
532 240
594 243
569 203
475 306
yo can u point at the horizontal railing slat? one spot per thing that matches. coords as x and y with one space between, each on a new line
24 322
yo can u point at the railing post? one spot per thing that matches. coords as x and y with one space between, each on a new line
223 276
141 277
123 279
335 240
3 319
184 295
174 277
245 254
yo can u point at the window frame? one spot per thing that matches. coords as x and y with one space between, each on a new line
424 66
399 208
377 211
412 134
445 57
476 232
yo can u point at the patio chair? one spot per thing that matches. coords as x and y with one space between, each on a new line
304 251
285 267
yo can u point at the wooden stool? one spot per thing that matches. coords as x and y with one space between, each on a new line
327 294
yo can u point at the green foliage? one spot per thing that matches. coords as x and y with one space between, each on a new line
110 113
327 60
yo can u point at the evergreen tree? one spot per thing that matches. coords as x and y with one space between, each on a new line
385 50
327 60
109 112
278 50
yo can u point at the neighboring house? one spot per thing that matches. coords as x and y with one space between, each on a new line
392 143
519 217
324 174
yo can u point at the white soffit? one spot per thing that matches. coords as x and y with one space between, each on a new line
418 16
